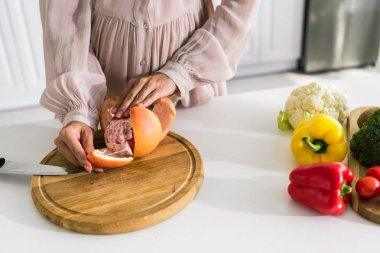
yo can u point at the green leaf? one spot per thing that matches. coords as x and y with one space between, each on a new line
283 122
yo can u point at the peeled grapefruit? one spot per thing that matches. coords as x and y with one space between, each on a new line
134 136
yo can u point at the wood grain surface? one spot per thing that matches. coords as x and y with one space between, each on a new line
147 191
369 209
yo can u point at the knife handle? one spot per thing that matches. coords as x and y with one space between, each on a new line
2 161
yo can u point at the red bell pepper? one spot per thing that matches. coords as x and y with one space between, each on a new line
325 187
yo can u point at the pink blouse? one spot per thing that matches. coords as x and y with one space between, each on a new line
92 48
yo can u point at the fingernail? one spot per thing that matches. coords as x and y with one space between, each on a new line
114 110
126 114
89 150
99 170
118 115
140 104
87 168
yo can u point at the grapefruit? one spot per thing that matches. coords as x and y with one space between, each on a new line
105 112
134 136
165 111
146 129
104 158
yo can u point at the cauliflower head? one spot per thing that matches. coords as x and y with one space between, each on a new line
308 100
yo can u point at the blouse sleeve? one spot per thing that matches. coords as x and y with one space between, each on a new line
212 53
75 83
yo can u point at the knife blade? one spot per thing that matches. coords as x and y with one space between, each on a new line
14 167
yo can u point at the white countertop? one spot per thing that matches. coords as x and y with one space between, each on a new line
243 204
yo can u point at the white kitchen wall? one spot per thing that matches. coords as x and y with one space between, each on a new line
276 41
21 57
274 46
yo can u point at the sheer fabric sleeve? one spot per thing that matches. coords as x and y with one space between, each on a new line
75 83
212 53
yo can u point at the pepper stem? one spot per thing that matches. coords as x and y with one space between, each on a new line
346 189
318 146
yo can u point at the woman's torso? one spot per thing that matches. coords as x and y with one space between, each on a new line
134 38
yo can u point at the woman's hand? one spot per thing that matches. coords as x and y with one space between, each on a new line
75 141
143 91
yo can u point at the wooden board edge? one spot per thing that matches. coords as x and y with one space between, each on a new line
144 221
352 125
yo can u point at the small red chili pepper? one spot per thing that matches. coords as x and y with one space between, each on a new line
324 187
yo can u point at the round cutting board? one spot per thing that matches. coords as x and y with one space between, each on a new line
147 191
369 209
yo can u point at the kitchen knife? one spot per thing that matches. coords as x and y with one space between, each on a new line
13 167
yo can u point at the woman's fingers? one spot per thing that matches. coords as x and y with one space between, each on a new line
76 148
87 140
150 99
129 86
62 148
99 170
162 86
130 96
143 92
75 141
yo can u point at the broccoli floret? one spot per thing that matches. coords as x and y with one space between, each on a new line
365 144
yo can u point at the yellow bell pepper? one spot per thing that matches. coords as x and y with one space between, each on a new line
319 139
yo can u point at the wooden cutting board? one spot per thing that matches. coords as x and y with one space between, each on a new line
369 209
147 191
